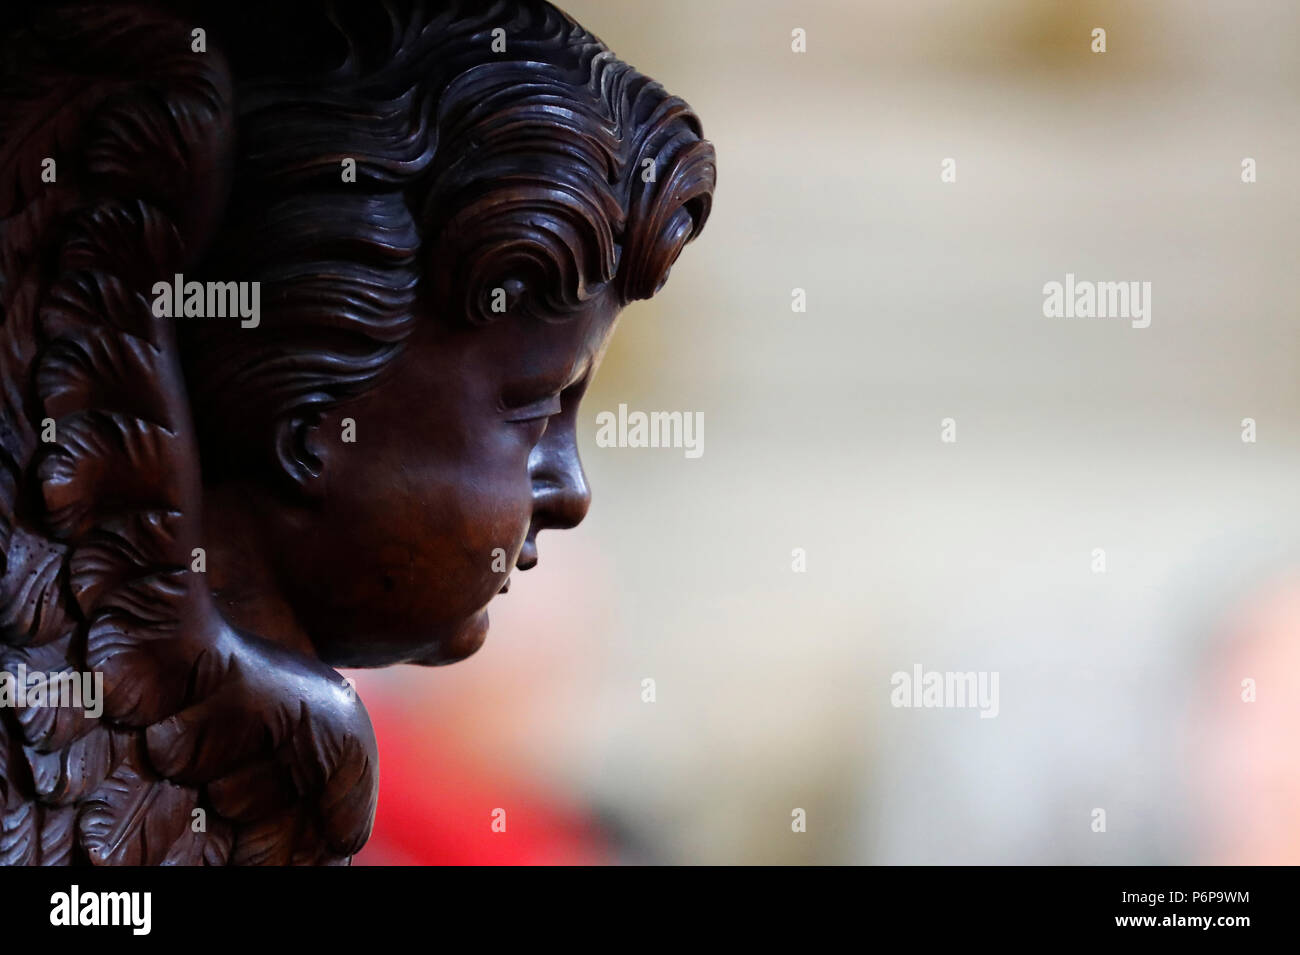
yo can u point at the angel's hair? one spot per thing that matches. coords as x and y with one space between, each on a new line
496 145
129 152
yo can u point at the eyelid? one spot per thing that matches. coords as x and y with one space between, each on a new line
543 408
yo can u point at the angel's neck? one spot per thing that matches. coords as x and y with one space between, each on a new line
242 578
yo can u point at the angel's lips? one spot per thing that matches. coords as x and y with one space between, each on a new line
505 587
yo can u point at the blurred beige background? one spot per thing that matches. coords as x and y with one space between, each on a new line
1118 690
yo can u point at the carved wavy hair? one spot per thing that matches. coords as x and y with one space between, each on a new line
527 169
126 155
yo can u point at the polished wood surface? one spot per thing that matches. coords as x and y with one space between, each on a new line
444 207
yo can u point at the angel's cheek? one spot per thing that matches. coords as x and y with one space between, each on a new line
470 544
435 551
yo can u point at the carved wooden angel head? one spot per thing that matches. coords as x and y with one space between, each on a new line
297 305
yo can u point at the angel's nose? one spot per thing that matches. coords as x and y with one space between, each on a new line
561 495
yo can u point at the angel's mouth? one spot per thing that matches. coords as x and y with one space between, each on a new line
505 587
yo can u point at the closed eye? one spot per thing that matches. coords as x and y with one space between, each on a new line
543 408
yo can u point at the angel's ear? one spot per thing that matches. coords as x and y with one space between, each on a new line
298 452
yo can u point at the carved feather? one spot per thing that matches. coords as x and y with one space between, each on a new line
134 817
20 838
32 606
72 772
58 834
103 464
54 667
99 514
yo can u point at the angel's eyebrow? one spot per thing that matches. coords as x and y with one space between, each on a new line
542 384
524 390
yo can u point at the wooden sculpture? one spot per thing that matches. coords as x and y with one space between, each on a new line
297 304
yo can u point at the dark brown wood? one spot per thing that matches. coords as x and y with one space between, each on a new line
445 207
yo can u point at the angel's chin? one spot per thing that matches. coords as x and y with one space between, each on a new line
468 639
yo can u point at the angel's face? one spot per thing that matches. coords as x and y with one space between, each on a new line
459 458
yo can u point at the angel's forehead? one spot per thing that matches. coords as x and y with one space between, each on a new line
554 353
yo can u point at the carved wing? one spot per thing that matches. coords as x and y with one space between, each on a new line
212 747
